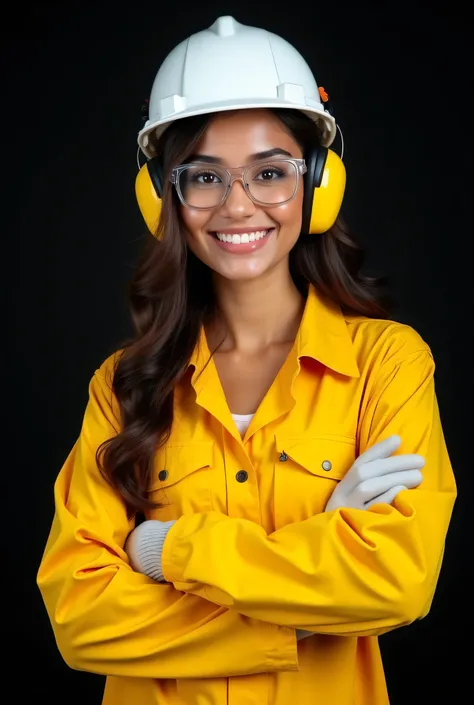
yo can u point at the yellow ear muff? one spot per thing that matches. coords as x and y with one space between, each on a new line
327 198
148 200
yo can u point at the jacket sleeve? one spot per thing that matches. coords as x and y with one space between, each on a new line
348 571
110 620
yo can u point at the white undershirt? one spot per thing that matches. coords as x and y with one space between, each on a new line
242 421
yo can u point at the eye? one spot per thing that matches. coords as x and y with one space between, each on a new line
206 178
269 173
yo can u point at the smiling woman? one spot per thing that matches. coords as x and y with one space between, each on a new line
279 433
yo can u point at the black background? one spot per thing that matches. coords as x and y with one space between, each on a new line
74 78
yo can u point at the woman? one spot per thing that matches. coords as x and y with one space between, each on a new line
277 435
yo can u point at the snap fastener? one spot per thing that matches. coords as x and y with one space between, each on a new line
242 476
326 465
283 457
162 475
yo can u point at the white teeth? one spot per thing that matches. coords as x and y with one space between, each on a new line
243 238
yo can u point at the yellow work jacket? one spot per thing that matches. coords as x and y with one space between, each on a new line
252 555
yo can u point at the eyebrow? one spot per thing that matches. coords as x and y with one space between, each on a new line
209 158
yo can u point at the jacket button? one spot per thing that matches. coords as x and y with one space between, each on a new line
326 465
162 475
242 476
283 457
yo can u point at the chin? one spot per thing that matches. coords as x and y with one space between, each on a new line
240 273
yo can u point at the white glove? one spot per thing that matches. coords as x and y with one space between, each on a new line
376 477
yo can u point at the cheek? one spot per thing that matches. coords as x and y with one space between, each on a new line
195 224
295 209
193 220
290 218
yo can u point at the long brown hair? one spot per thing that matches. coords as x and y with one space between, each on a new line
171 296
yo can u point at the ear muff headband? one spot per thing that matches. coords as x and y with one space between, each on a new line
324 185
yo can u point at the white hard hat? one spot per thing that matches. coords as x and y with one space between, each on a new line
232 66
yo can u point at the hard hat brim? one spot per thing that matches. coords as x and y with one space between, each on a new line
321 117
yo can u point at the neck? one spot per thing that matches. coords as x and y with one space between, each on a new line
256 313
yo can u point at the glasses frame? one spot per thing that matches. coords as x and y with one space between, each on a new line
238 174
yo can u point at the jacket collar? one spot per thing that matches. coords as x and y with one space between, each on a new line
322 336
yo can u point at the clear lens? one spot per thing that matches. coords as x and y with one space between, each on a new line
272 183
203 186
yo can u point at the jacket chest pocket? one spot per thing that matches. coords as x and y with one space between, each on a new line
307 471
182 480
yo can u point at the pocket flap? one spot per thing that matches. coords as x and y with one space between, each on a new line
325 456
173 463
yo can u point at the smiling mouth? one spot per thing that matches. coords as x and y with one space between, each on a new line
242 238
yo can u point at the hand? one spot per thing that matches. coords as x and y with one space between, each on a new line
376 477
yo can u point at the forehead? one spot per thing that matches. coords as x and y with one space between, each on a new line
234 136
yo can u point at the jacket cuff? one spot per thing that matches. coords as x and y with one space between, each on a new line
144 547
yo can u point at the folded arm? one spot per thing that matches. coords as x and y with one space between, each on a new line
347 571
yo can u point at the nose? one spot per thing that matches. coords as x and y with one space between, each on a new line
238 204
